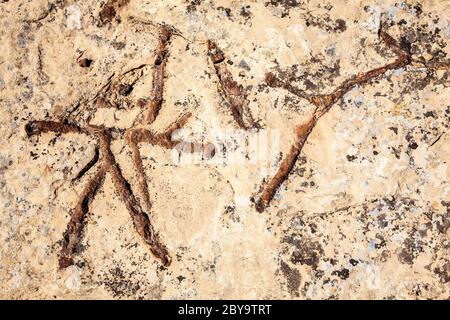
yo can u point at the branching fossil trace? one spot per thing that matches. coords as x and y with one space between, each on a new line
235 98
323 103
106 163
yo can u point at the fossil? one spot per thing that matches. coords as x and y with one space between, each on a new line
323 103
105 161
235 98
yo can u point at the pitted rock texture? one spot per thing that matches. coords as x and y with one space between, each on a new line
363 214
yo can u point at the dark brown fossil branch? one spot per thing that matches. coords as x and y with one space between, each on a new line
139 168
37 127
72 235
232 93
268 191
322 103
162 53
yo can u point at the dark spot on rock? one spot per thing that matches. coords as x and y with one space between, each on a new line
350 157
118 45
286 5
340 25
306 251
390 203
418 9
230 211
192 7
343 274
445 225
245 12
409 250
405 44
325 23
125 89
353 262
411 143
120 284
309 84
226 11
332 261
85 62
443 272
180 278
292 277
394 129
396 152
107 13
382 222
430 114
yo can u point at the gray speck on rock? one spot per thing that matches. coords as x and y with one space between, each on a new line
21 41
331 51
244 65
